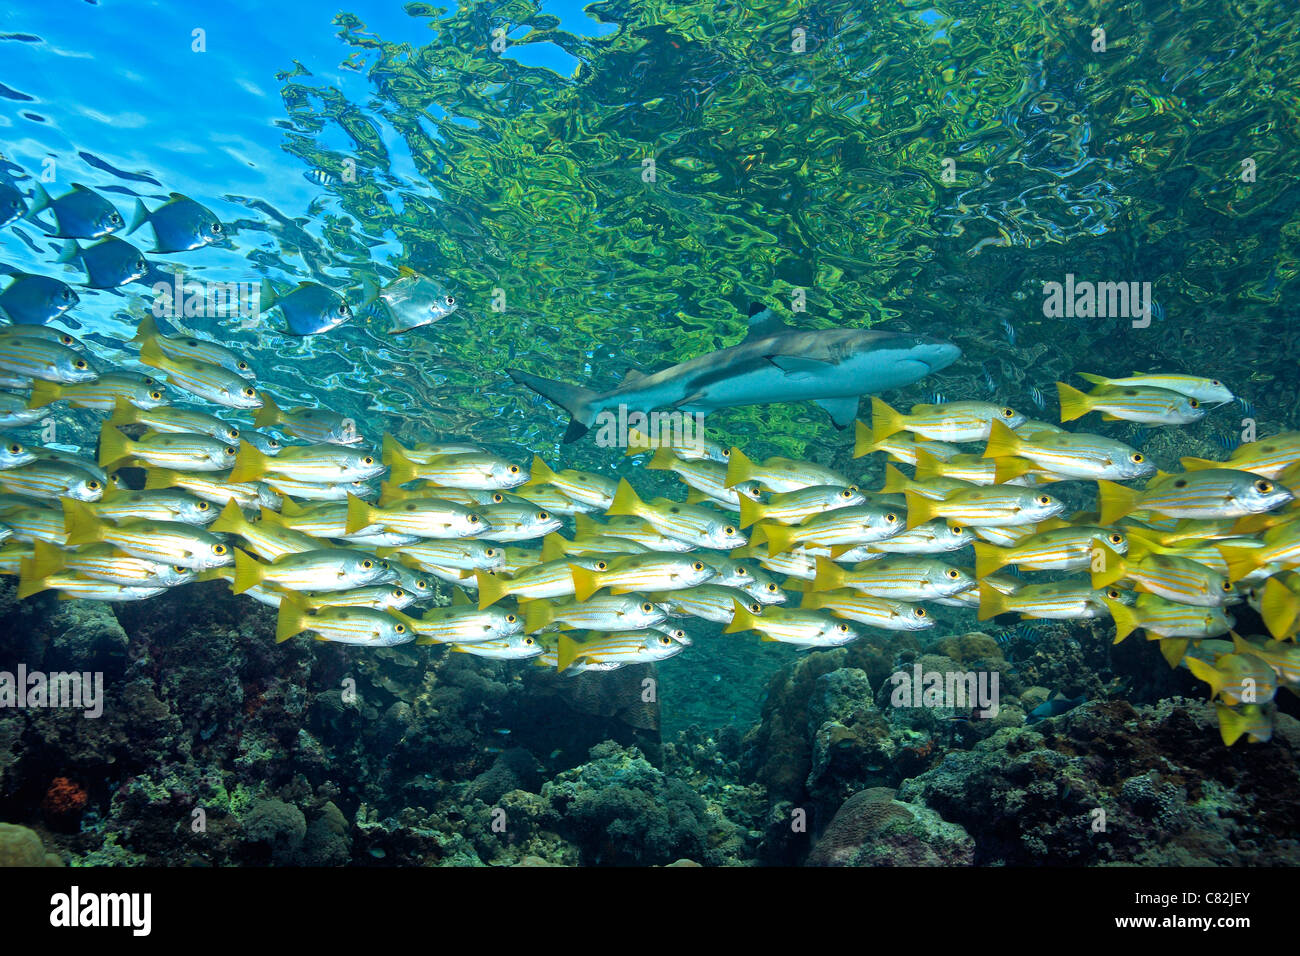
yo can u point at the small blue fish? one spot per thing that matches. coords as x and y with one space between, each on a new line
109 263
34 300
1010 330
1227 441
180 224
79 214
309 308
1054 708
12 205
1247 408
935 398
989 382
1037 396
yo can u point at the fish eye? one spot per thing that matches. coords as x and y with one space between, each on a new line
249 393
697 566
202 506
543 516
741 573
451 300
156 396
367 460
115 218
529 642
395 592
771 588
514 469
93 485
400 628
15 448
230 451
344 310
66 339
842 628
510 619
846 494
1194 403
1263 487
218 228
1215 381
956 529
473 519
953 574
1227 587
601 565
139 263
1116 538
218 549
891 518
1137 458
234 433
80 363
647 607
1008 413
491 552
367 564
726 453
242 366
920 612
1112 594
1044 500
273 443
665 640
498 498
728 530
178 569
421 584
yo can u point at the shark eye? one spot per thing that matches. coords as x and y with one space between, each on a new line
1263 487
1137 458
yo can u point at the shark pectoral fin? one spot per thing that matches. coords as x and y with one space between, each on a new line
841 410
795 364
693 397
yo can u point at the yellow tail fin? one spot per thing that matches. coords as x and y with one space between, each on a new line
360 514
1278 607
1206 672
739 468
1241 561
1114 501
1005 469
151 354
249 572
989 559
124 413
1173 649
862 443
44 393
159 478
585 526
269 414
539 474
537 615
1125 618
662 460
491 588
400 468
992 602
81 524
29 582
147 329
231 520
625 501
885 421
750 511
1074 403
292 618
1231 724
1002 443
895 481
250 465
779 537
569 649
813 600
554 547
113 446
927 466
585 582
920 509
741 619
46 559
1108 570
829 575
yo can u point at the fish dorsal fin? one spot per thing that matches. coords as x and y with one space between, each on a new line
405 271
763 322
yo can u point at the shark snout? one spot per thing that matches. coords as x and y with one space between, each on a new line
936 353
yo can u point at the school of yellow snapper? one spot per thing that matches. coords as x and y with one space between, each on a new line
298 526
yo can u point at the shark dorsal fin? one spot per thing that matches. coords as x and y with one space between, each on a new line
763 322
631 377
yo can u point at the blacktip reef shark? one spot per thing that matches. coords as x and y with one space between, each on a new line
774 363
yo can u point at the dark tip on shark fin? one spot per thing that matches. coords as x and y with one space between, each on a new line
575 431
755 308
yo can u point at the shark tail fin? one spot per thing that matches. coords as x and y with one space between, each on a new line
574 399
